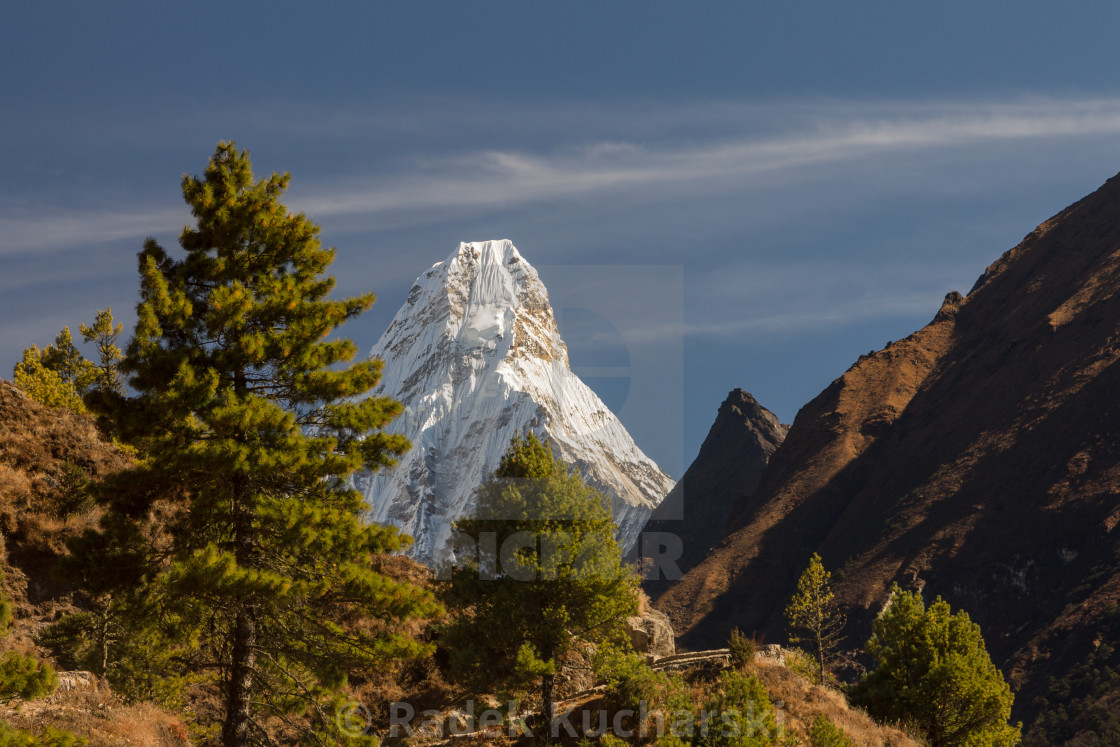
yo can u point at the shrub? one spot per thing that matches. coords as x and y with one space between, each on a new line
745 714
26 677
824 733
50 737
72 495
629 680
742 648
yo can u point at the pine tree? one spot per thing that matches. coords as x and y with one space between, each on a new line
57 375
813 611
933 670
64 358
106 377
547 573
240 526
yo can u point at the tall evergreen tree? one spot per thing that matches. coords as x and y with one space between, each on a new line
547 573
814 617
932 670
250 426
106 376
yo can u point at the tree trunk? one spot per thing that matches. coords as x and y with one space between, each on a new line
103 638
235 731
548 706
820 655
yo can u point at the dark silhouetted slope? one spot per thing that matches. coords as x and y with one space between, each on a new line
726 471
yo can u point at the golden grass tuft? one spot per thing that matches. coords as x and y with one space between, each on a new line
802 701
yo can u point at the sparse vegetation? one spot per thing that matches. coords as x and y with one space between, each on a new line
742 648
26 677
1084 705
814 617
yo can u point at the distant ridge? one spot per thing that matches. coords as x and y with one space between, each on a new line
726 471
977 459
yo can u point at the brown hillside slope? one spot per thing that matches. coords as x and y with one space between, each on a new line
979 458
38 445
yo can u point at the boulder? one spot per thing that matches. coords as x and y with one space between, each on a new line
76 681
575 674
651 633
771 653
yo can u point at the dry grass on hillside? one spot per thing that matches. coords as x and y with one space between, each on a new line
37 444
802 701
101 717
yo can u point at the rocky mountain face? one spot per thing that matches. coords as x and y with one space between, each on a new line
475 356
977 459
726 472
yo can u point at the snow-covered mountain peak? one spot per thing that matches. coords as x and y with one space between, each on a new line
475 356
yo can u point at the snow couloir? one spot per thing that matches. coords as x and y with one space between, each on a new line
475 356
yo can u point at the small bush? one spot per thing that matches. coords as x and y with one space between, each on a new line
824 733
744 706
609 740
742 648
26 677
51 737
72 495
70 642
629 680
801 664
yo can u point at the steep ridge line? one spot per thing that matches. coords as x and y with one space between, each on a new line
976 460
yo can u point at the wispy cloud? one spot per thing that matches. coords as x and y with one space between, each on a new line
506 178
791 145
29 230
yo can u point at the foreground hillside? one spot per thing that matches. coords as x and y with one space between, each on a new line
977 459
46 455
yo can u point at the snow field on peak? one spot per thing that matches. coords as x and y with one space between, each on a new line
476 357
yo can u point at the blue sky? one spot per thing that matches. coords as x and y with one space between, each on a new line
802 181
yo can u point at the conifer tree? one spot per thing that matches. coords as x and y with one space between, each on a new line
106 377
56 376
240 520
547 573
932 670
814 617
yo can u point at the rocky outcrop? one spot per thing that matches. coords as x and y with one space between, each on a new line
651 633
77 680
